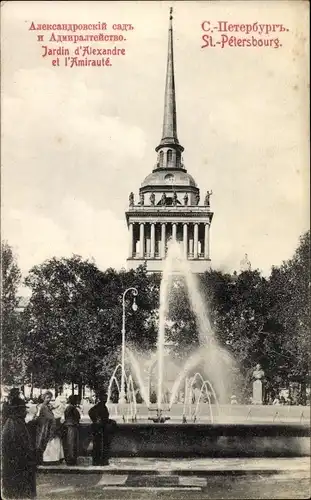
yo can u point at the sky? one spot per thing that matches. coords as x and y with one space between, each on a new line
76 141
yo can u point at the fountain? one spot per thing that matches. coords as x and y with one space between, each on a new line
131 414
192 399
159 418
202 423
200 390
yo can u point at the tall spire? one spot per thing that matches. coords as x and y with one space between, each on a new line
169 133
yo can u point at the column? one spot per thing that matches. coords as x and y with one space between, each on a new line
206 242
174 231
185 238
131 232
196 239
152 238
191 247
163 235
148 247
142 240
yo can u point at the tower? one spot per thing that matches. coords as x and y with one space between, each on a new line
169 198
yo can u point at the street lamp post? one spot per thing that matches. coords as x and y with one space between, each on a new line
134 307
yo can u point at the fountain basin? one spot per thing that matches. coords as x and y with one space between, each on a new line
204 440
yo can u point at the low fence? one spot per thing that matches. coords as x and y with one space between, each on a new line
203 440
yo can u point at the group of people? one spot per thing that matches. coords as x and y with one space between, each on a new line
50 436
53 428
56 440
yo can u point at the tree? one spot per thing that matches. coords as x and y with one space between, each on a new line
289 288
64 324
74 320
12 352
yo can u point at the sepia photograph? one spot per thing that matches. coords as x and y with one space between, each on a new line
155 250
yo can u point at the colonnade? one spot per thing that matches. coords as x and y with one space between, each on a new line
149 239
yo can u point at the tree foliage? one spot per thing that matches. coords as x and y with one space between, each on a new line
74 320
12 352
290 309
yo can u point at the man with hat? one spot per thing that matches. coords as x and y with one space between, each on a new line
13 394
18 455
102 428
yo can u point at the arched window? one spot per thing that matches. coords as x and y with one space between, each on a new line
169 156
161 156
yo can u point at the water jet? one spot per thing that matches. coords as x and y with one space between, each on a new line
196 393
198 387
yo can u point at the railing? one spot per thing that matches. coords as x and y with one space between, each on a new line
157 255
147 255
170 208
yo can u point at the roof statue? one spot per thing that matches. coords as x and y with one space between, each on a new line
163 199
152 199
131 199
207 198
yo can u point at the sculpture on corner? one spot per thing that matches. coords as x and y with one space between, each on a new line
207 201
258 380
131 199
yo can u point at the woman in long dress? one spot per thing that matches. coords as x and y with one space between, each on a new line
18 454
59 407
48 442
71 431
